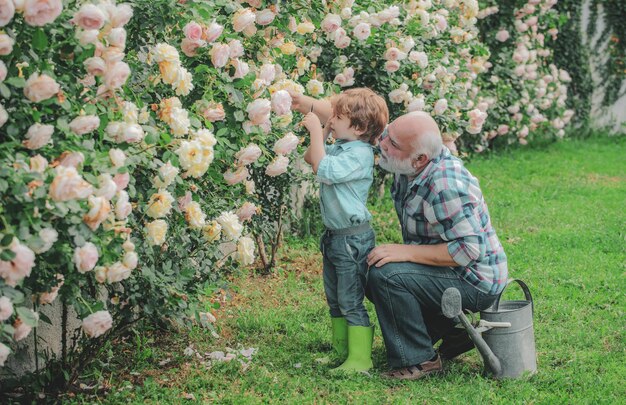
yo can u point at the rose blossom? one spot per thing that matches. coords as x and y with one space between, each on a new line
245 251
68 185
166 176
95 66
214 112
230 224
6 308
117 38
108 188
265 17
212 231
212 32
84 124
117 156
123 207
48 237
20 266
267 73
441 106
49 297
394 53
242 19
130 260
281 102
342 40
38 135
241 68
38 164
331 23
86 37
70 159
392 66
6 44
193 31
156 232
97 323
99 208
246 211
89 17
237 177
121 180
117 272
85 257
4 354
219 55
286 144
362 31
160 204
116 75
235 49
21 329
195 216
278 166
502 35
40 87
7 11
259 111
248 155
41 12
189 46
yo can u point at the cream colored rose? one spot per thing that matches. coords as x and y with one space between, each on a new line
160 204
195 216
84 124
99 208
100 274
38 164
38 136
117 156
6 44
41 12
259 111
179 121
236 177
123 207
97 324
315 87
242 19
86 257
167 174
183 83
6 308
116 75
156 232
165 53
69 185
286 144
248 155
117 272
212 231
230 224
245 251
278 166
250 187
71 159
219 55
288 48
40 87
305 27
206 137
108 188
130 260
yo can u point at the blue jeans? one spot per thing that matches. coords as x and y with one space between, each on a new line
345 274
407 297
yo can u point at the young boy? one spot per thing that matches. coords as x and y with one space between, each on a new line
345 173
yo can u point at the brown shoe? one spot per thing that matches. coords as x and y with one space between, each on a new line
415 372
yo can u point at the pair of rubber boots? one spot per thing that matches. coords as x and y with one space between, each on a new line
355 342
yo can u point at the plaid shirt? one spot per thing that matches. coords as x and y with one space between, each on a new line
444 204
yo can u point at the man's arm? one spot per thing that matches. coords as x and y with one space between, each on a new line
432 255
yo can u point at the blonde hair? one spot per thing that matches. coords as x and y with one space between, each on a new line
366 110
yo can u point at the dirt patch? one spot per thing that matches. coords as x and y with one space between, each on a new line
595 178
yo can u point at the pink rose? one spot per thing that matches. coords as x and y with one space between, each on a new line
394 53
71 159
86 257
6 44
246 211
420 58
40 87
38 135
41 12
189 46
502 35
212 32
441 23
265 17
331 23
120 15
451 146
342 40
286 144
95 66
340 79
241 68
7 11
21 330
248 155
267 73
117 38
214 112
362 31
123 207
237 177
89 17
68 185
99 208
85 124
121 181
503 129
6 308
88 37
116 75
193 31
236 48
392 66
278 166
20 266
219 55
441 106
477 117
97 324
259 111
184 201
242 19
281 102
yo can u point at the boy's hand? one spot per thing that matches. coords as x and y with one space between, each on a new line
313 124
299 102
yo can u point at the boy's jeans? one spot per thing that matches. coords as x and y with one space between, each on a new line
345 272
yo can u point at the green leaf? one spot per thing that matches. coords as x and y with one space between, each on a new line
6 240
166 137
14 295
18 82
7 255
150 139
5 91
27 316
40 40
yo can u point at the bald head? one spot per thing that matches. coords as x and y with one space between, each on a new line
421 131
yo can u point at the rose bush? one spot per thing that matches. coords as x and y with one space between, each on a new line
143 157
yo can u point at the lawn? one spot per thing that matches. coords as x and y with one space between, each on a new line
558 210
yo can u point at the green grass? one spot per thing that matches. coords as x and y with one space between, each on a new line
559 211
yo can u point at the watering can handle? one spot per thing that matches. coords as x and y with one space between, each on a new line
524 287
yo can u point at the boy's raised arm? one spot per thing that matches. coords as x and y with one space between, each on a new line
316 152
305 104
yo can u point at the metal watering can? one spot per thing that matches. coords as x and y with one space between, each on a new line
507 344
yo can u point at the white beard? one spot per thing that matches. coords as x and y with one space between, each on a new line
396 166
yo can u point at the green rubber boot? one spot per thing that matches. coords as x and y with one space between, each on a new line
340 335
360 339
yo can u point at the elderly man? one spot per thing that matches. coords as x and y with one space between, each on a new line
448 242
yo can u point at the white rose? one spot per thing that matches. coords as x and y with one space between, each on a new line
117 156
4 116
123 207
130 260
117 272
160 204
97 324
245 251
156 231
38 135
195 216
167 174
84 124
86 257
230 224
108 188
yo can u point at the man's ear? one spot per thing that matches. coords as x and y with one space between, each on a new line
420 161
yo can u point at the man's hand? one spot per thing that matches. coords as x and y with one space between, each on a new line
313 124
384 254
